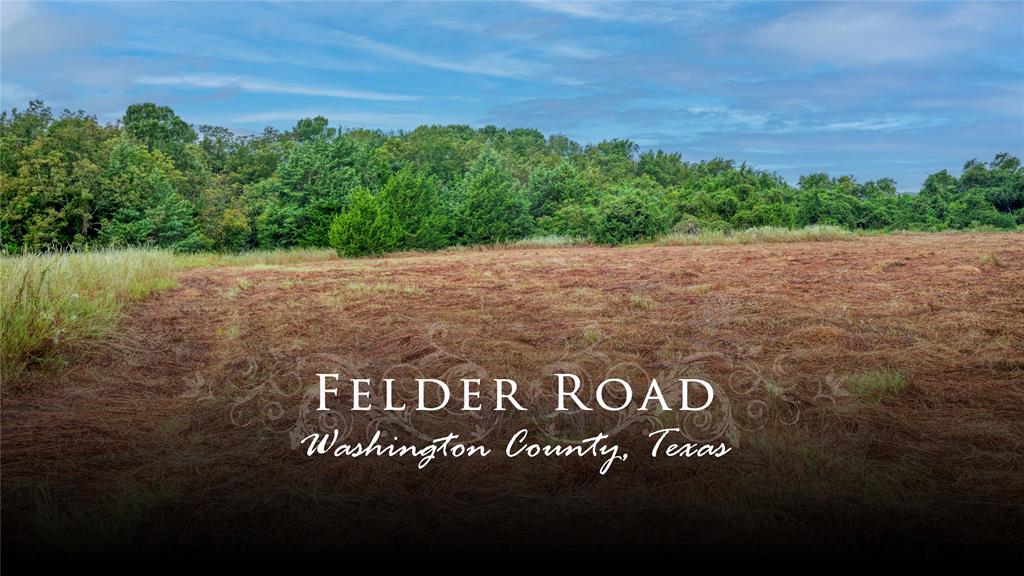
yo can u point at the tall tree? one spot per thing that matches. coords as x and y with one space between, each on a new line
494 208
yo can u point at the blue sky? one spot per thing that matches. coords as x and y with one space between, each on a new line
869 89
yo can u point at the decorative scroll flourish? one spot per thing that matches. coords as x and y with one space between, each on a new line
281 393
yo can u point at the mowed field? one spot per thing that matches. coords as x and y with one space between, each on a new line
877 382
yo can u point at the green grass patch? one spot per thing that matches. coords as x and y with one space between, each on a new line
255 258
876 385
991 259
641 301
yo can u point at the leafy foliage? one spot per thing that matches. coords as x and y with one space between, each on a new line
627 216
421 221
366 227
493 207
152 179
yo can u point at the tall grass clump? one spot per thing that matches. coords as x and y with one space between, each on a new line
877 385
53 300
530 243
761 235
277 257
550 241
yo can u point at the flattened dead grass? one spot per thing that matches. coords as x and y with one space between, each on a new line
791 332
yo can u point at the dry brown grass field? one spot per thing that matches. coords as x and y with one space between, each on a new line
875 384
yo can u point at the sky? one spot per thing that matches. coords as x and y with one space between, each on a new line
869 89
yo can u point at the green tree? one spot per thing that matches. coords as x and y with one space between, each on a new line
667 169
158 128
19 129
420 215
163 219
366 227
278 225
494 208
317 177
444 152
51 183
70 181
309 129
764 214
233 230
614 159
140 204
550 188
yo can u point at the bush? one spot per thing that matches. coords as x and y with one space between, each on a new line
569 220
776 215
688 225
366 227
552 188
971 210
627 216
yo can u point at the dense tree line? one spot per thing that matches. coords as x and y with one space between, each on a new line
153 179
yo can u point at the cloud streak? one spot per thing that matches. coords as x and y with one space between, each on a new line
494 64
219 81
649 12
875 34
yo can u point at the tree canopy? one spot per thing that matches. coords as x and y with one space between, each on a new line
153 179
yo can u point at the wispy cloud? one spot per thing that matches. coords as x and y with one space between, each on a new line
344 117
573 50
267 87
615 11
237 51
591 10
522 33
725 116
689 122
494 64
883 124
867 34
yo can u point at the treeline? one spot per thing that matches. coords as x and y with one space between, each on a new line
153 179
